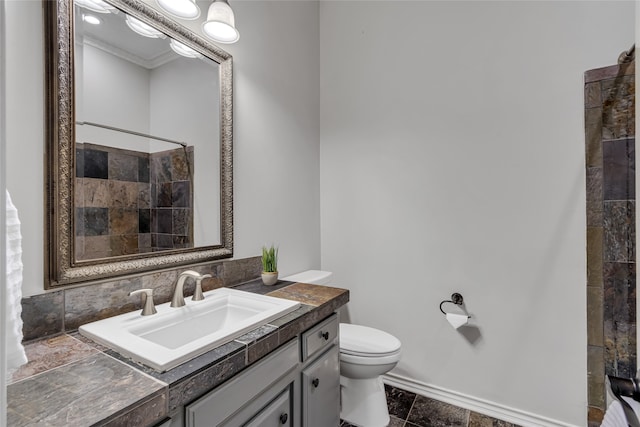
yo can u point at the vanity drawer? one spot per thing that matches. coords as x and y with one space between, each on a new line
319 337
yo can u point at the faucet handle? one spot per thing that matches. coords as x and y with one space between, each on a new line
197 294
149 308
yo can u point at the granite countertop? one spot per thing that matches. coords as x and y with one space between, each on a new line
73 381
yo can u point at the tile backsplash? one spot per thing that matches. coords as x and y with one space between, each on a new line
65 310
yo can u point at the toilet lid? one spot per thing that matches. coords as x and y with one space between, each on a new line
365 341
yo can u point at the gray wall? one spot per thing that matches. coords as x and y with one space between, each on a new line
452 153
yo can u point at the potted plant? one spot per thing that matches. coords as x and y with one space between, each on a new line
269 265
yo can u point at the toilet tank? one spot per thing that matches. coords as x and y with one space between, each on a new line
315 277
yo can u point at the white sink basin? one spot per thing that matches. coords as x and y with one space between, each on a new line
173 336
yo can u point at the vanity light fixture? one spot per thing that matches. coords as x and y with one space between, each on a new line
98 6
182 49
90 19
143 29
220 25
185 9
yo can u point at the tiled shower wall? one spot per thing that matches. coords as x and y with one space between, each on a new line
611 252
130 202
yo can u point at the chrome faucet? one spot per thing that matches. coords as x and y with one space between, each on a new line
178 295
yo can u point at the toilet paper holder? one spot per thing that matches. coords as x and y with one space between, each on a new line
456 299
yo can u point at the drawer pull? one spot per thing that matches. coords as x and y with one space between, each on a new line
325 335
283 418
315 382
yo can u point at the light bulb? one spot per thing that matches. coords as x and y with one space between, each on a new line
185 9
220 25
143 29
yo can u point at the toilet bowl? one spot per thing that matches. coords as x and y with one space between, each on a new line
365 355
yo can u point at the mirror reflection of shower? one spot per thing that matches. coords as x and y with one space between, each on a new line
133 196
139 96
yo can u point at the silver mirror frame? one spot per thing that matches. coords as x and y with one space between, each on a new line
61 268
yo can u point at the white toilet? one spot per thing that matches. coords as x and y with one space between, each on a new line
365 354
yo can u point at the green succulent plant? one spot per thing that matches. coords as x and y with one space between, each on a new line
269 259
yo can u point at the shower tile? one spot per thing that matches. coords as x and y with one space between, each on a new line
144 195
123 194
160 168
618 108
618 88
144 241
144 221
92 221
593 141
479 420
124 245
180 193
164 218
595 319
595 376
592 95
432 413
96 164
164 195
594 197
620 292
595 416
123 167
619 231
181 221
123 221
619 169
92 193
609 72
179 166
42 315
164 241
593 116
143 169
399 401
96 247
594 256
79 161
620 348
154 195
180 242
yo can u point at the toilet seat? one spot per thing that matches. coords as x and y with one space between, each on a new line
366 342
370 360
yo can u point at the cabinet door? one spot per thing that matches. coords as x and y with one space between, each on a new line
321 391
276 414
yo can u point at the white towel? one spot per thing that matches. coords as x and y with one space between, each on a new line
615 417
15 351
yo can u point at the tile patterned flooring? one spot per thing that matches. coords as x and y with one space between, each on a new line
408 409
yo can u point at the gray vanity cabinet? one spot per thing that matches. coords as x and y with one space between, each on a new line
276 414
321 391
297 385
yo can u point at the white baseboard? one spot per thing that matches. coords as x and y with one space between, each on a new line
491 409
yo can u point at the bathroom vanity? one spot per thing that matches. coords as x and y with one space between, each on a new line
284 373
300 379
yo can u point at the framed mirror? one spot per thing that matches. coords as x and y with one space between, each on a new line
138 143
